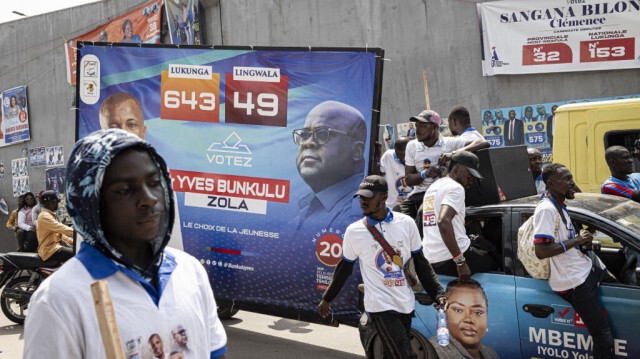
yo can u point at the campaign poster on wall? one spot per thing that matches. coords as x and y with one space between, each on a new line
141 25
541 36
20 176
40 156
33 156
183 21
530 125
14 124
266 148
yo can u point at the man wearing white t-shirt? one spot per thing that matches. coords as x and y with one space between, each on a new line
445 242
426 154
460 124
573 275
392 169
388 298
120 199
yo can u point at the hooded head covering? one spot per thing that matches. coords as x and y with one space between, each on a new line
88 162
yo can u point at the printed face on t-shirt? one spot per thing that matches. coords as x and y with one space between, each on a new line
157 347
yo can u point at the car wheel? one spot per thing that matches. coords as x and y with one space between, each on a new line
16 309
226 311
419 344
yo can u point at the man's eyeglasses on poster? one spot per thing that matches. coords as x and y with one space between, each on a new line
321 135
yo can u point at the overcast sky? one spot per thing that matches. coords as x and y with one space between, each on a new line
34 7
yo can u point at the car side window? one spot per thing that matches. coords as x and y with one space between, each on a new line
606 241
485 232
620 260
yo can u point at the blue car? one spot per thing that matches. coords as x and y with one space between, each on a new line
526 319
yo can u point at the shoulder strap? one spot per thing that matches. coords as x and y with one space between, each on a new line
383 242
557 206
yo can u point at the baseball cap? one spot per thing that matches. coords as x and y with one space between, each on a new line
427 116
469 160
48 196
40 194
370 185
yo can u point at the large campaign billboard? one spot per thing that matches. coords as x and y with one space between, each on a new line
266 148
527 36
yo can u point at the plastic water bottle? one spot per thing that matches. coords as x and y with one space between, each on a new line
443 330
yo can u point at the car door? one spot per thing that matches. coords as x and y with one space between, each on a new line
548 325
502 331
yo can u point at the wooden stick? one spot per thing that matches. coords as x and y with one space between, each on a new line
426 89
107 320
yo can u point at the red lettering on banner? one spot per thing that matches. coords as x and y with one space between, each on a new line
607 50
545 54
256 102
268 189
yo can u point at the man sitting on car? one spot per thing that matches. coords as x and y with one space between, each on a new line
573 274
445 242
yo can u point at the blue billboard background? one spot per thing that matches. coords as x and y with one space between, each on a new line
252 258
537 124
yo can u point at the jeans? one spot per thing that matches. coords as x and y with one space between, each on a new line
393 328
584 299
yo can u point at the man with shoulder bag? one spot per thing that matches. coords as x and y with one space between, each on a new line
383 242
573 275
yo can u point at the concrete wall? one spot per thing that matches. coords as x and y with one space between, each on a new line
32 54
439 36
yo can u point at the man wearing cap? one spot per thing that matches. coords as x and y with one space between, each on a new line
445 242
54 238
388 300
35 212
426 154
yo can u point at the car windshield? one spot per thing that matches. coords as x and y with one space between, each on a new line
616 209
626 214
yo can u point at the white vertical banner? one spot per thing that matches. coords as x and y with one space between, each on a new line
540 36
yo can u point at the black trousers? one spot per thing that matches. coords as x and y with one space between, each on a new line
412 204
584 299
62 254
478 261
393 328
27 241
